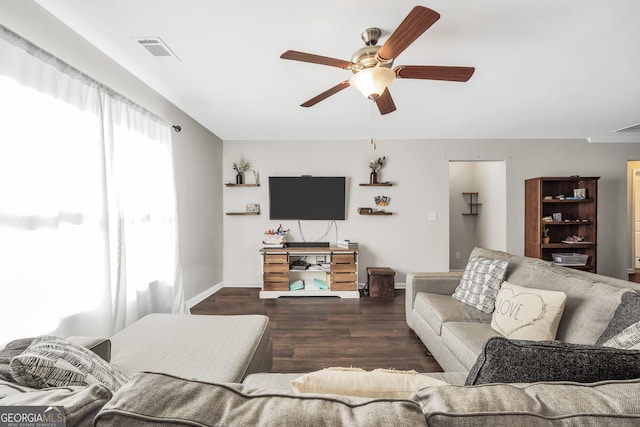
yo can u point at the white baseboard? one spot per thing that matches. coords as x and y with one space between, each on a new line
228 284
191 302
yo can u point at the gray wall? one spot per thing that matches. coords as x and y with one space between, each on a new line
407 241
197 151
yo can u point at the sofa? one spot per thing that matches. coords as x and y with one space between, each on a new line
180 370
208 348
455 332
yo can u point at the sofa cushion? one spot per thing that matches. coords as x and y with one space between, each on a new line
10 351
358 382
528 313
607 403
465 340
514 361
627 313
161 399
53 362
437 309
81 404
480 282
239 344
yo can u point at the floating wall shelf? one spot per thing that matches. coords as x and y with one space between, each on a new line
473 203
243 213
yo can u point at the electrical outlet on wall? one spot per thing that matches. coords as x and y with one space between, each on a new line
457 255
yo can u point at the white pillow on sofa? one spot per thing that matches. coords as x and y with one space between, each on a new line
527 313
379 383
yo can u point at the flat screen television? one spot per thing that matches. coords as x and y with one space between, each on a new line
306 197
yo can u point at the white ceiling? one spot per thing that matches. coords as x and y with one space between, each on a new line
544 68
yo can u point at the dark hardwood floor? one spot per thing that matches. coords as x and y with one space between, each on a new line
312 333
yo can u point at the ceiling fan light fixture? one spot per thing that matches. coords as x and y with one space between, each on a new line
371 82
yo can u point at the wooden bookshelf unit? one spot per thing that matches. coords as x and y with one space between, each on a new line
573 216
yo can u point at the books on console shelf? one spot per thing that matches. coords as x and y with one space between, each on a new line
347 244
296 286
273 246
321 284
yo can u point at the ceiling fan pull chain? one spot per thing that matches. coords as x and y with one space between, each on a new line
373 126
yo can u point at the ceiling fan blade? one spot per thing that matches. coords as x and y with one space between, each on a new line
327 93
431 72
316 59
417 22
385 103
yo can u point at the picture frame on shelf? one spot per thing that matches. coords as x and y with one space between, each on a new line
580 193
253 207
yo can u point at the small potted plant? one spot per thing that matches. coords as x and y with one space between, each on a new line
375 165
241 167
545 234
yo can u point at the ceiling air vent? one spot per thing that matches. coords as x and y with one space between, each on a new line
156 47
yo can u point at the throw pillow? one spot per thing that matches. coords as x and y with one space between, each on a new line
527 313
518 361
55 362
379 383
480 283
10 351
162 400
627 313
629 338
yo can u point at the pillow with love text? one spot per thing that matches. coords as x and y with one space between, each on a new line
527 313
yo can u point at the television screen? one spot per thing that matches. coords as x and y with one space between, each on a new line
306 197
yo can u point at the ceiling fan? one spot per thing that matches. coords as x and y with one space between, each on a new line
371 65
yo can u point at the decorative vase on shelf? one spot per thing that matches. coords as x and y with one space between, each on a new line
239 178
373 177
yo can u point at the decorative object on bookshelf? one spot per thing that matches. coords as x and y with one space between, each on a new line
253 207
381 202
241 167
375 165
545 234
275 238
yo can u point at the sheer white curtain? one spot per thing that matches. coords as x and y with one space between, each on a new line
88 228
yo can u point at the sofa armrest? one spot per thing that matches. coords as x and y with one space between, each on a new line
444 283
100 346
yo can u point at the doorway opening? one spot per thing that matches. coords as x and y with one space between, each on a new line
477 208
633 215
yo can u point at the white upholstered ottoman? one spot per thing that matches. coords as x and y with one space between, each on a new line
203 347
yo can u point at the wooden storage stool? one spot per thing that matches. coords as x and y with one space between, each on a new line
380 281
